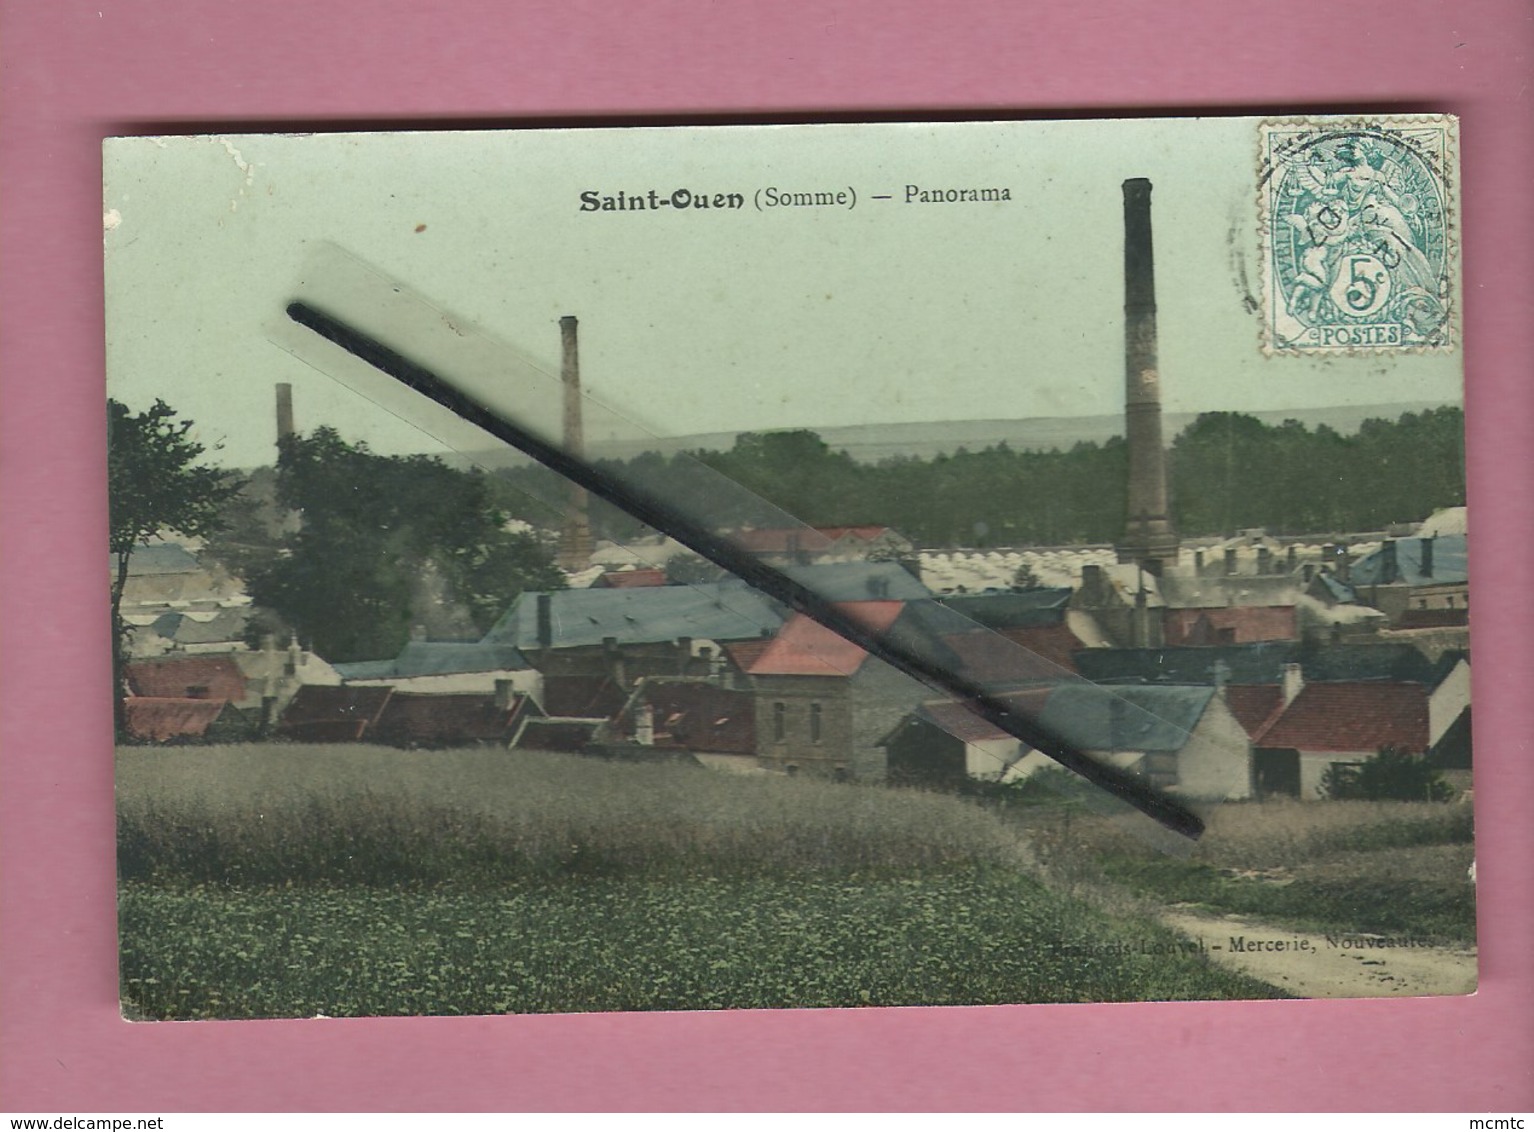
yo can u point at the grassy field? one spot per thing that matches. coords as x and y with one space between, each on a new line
279 881
1382 867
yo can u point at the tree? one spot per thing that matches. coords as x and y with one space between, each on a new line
1390 775
155 486
389 542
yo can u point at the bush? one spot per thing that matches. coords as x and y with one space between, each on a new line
1390 776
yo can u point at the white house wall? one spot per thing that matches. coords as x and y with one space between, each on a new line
1314 764
1216 762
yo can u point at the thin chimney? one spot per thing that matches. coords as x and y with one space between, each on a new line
1426 566
285 427
1149 538
575 538
1293 682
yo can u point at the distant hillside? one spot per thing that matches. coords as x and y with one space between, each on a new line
874 442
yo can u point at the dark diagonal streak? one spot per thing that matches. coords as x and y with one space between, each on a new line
661 516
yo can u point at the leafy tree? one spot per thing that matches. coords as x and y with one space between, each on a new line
155 486
1391 775
387 542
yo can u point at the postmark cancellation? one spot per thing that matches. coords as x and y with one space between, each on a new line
1357 221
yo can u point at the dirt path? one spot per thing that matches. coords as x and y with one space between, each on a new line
1345 965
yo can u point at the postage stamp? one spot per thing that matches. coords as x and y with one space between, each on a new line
1358 243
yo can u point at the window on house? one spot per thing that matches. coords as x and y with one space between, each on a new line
1450 600
779 722
814 723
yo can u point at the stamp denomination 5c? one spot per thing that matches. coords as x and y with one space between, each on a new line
1358 244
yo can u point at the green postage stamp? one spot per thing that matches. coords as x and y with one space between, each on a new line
1358 227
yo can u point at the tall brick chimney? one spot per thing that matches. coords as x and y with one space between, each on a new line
284 411
1149 538
575 536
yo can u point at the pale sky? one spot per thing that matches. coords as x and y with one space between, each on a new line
719 320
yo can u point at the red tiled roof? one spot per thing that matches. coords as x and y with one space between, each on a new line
420 719
866 533
1230 624
805 648
630 579
329 714
995 659
1016 655
743 654
1351 717
1055 643
1253 704
187 678
695 716
161 717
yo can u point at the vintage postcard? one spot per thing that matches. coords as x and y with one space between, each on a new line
789 567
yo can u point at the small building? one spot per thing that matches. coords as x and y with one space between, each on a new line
942 743
195 677
694 716
324 714
1415 582
454 720
823 704
628 579
168 719
1183 739
1230 625
1345 722
448 667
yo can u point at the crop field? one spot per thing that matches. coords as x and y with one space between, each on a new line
283 881
1382 867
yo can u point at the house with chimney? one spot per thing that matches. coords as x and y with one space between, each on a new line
1416 582
1320 724
448 667
381 714
691 717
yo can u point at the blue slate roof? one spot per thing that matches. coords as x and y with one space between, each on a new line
730 611
1450 566
1127 717
1340 591
1025 609
437 658
157 558
1259 663
365 669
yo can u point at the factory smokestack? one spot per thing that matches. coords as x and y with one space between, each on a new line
284 411
575 538
1149 538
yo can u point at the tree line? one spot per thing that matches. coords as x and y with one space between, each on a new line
1228 471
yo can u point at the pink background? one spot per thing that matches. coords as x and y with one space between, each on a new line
73 72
